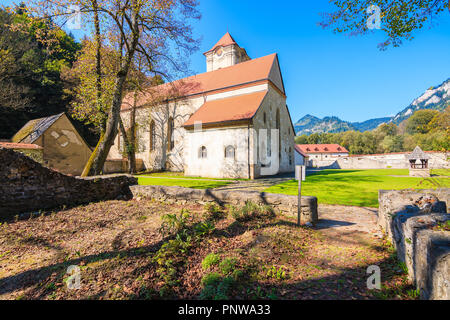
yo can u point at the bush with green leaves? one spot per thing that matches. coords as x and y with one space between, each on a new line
217 287
213 211
204 228
251 211
228 265
174 223
173 253
210 260
276 273
211 279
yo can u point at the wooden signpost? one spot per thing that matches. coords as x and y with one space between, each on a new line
300 175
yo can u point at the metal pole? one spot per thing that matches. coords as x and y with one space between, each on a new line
299 207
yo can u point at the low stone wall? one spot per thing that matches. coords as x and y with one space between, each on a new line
409 219
27 186
282 203
397 160
121 166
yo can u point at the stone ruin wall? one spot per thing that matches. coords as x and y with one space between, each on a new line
439 160
284 204
409 219
26 186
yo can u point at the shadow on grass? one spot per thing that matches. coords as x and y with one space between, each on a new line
328 172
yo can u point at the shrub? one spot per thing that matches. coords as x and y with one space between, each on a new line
213 211
251 211
204 228
276 273
210 260
173 223
216 287
227 265
210 279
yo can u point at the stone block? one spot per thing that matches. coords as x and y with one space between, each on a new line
408 218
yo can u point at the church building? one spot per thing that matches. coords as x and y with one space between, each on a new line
230 122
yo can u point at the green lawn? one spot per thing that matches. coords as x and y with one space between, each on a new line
441 172
181 175
355 187
195 183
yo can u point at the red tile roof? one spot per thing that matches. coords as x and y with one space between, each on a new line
297 148
236 108
12 145
321 148
243 73
226 40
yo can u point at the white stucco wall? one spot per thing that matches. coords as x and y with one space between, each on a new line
215 165
275 101
324 159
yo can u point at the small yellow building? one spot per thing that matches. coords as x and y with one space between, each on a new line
64 149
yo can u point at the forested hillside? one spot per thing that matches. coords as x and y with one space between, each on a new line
430 129
31 63
435 98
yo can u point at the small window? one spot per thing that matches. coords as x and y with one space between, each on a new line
152 135
229 152
170 132
265 118
202 153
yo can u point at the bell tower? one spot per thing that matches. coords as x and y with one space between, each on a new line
225 53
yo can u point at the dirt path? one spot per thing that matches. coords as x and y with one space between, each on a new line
342 220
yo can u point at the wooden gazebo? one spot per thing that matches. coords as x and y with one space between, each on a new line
418 168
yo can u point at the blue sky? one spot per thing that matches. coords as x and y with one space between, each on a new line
327 74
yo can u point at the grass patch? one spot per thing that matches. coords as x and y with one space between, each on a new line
210 260
440 172
355 187
184 182
180 175
251 211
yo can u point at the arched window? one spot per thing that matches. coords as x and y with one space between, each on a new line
229 152
170 134
202 153
152 135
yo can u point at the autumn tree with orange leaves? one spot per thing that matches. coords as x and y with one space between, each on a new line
157 30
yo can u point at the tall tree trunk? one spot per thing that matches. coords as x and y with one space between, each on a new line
95 164
132 139
98 67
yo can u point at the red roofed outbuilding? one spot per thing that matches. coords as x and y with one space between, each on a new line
320 153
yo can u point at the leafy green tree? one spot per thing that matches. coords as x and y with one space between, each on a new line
399 19
31 60
392 144
418 122
441 121
387 129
